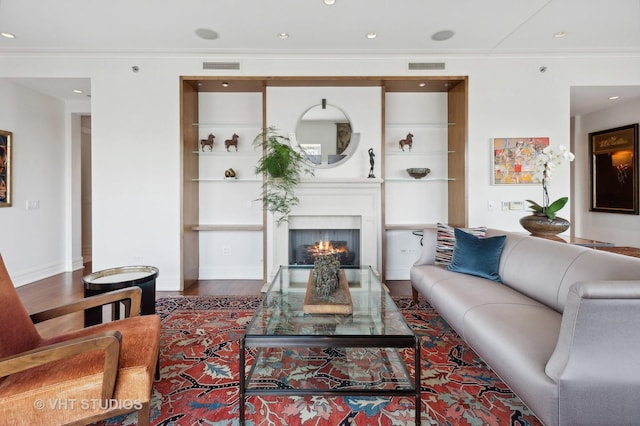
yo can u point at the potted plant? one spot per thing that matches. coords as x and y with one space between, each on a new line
544 219
282 167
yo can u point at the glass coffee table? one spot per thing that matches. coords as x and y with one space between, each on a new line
370 352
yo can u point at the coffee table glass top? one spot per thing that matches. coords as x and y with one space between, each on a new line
281 312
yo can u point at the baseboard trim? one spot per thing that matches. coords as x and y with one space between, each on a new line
37 273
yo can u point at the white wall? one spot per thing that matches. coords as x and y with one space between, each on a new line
622 229
32 242
136 137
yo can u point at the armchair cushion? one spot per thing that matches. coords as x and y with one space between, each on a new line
63 379
59 381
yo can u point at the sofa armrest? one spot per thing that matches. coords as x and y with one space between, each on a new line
596 362
428 252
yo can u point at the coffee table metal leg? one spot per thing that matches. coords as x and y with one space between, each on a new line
241 376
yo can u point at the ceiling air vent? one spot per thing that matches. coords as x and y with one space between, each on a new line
221 65
421 66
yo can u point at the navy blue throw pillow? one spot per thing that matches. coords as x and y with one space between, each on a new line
477 256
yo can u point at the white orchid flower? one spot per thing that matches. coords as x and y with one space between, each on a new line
546 161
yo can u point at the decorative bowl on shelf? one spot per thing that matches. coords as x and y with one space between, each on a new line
418 172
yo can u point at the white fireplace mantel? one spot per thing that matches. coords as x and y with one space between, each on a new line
339 181
337 200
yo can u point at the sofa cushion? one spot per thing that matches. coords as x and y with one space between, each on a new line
477 256
516 341
454 295
424 277
446 240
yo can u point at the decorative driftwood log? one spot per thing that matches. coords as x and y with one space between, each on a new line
326 270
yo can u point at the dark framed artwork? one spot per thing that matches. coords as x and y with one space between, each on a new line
6 139
614 170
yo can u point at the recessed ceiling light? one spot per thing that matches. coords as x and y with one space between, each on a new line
329 2
225 84
8 35
560 34
442 35
422 84
613 98
206 34
371 35
78 91
283 36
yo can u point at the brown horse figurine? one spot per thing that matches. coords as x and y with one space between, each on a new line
233 141
407 141
207 142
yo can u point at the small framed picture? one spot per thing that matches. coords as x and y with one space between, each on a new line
514 159
614 170
6 139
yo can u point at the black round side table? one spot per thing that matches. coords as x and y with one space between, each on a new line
115 279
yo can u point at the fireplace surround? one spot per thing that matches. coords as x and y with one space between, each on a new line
336 204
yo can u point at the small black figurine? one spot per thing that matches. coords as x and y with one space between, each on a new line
372 162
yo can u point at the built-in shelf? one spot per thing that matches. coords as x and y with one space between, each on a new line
226 180
440 137
405 125
225 153
421 154
221 125
410 179
244 228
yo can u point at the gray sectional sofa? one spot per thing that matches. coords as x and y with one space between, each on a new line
562 329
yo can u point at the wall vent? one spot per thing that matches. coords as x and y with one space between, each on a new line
421 66
221 65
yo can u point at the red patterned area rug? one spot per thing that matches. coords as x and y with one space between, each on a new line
199 376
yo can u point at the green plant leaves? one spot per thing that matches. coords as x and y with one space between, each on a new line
555 206
550 211
282 166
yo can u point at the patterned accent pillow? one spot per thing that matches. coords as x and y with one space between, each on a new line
446 240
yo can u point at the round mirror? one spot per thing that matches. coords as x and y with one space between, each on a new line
325 135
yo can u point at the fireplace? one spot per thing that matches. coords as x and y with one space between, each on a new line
350 208
306 244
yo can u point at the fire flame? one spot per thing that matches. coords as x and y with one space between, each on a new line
325 247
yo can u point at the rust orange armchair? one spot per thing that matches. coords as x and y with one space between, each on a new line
78 377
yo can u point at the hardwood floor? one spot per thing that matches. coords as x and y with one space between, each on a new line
65 287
